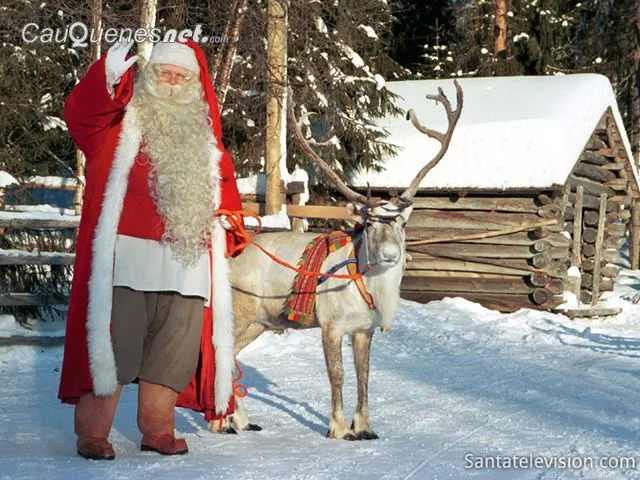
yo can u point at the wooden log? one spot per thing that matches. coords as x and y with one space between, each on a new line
21 300
592 202
541 260
610 255
539 279
475 220
610 152
598 255
550 211
615 166
619 184
586 280
590 186
518 238
577 227
485 265
495 204
589 263
540 296
506 285
590 218
593 158
589 312
634 235
619 200
616 230
589 234
588 250
615 243
593 172
7 222
501 302
595 144
545 199
447 265
485 250
568 227
15 257
610 271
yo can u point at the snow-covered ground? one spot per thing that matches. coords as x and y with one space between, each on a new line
451 383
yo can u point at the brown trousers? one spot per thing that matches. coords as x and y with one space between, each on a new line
156 336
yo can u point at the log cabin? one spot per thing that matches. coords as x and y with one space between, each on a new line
533 201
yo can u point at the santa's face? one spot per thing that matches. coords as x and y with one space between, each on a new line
172 83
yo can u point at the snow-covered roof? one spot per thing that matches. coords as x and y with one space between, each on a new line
514 132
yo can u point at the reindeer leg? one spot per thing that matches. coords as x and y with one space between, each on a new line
332 344
361 341
239 419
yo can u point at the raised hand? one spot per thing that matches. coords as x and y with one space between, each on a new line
116 63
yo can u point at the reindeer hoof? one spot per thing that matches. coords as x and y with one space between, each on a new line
367 435
252 427
347 436
229 431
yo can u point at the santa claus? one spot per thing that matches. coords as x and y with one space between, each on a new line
150 298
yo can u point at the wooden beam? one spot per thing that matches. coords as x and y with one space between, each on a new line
500 284
590 186
593 172
471 251
17 257
501 302
634 237
595 291
497 204
475 220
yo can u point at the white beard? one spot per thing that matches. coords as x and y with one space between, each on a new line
176 138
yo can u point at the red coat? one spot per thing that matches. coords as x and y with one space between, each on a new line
105 129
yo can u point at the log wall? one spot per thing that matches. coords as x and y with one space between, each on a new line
514 250
504 251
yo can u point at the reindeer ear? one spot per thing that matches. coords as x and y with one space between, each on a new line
355 211
406 213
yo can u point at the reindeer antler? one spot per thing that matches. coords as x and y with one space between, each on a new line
326 169
444 138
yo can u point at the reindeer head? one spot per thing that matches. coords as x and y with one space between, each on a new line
383 226
384 221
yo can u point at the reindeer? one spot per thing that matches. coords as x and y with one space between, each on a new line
261 286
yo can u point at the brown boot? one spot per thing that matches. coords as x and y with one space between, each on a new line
156 420
93 448
164 445
93 418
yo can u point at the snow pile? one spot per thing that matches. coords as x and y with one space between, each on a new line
6 179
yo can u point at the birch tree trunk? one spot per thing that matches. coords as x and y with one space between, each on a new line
227 66
147 21
276 102
214 68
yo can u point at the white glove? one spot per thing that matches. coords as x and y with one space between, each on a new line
117 64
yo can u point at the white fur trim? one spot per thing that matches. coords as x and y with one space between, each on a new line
222 304
101 359
175 53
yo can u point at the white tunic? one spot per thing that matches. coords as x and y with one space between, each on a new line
148 265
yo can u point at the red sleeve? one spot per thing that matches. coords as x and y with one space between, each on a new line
89 110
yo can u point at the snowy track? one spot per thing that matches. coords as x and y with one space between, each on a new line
451 379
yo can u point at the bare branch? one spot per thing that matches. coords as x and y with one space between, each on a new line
444 138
